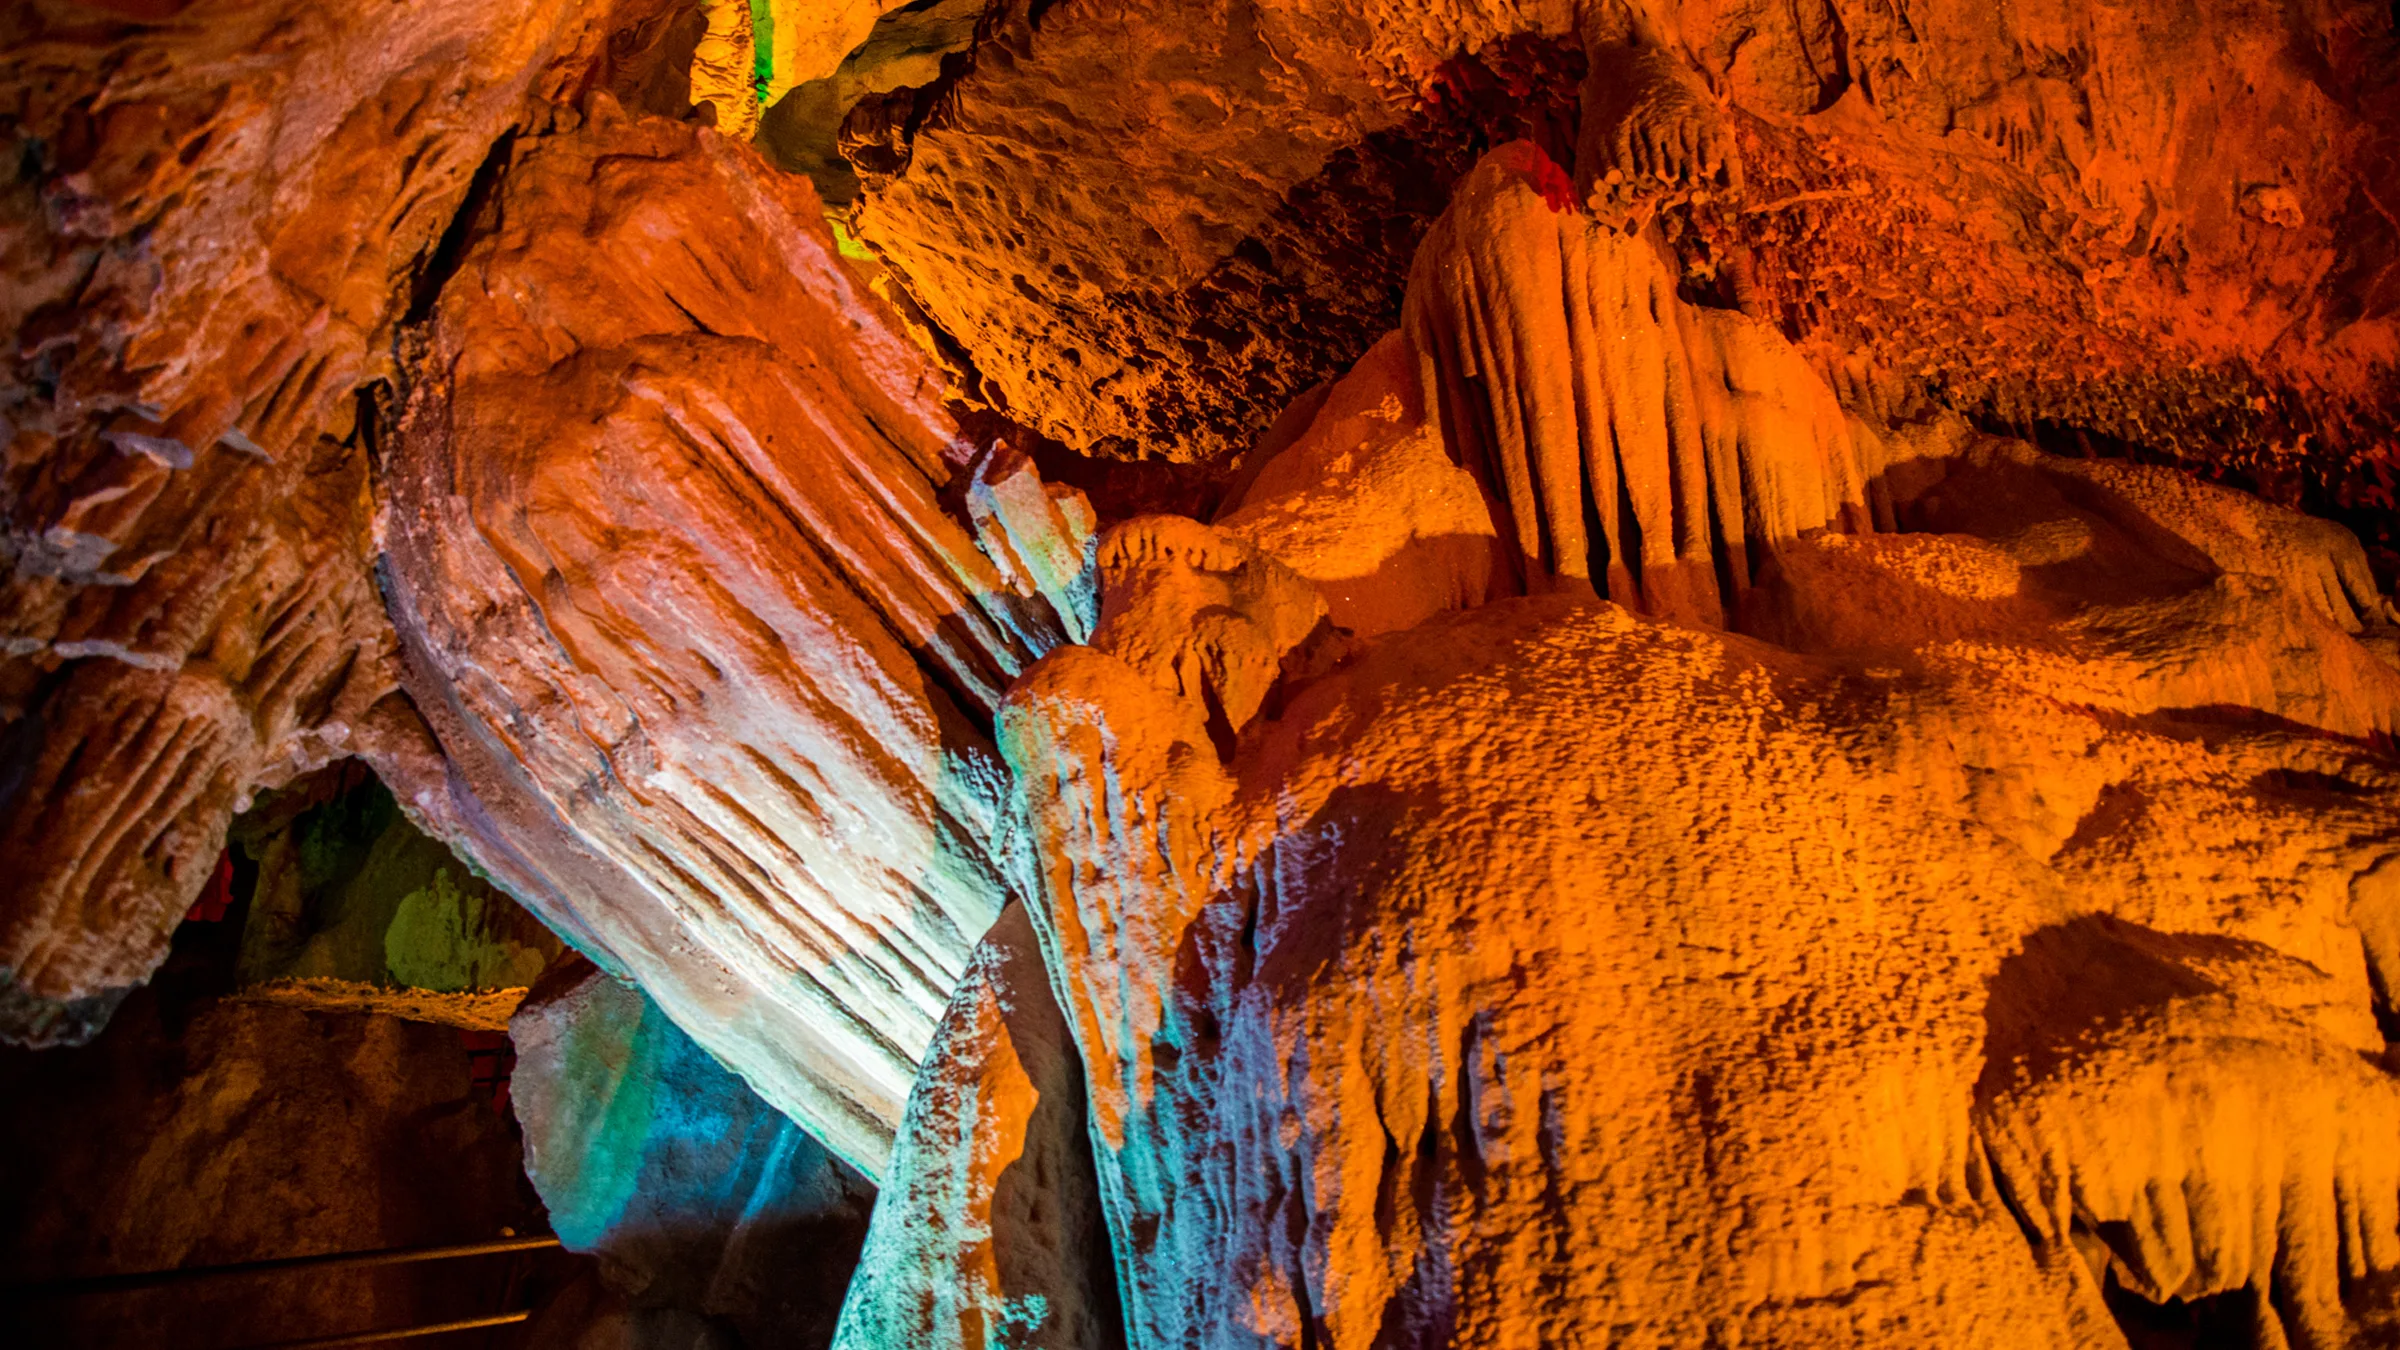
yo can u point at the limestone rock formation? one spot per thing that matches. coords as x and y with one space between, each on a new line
751 54
801 132
1648 448
1659 1012
2019 213
1366 502
220 213
1706 780
988 1232
705 650
1656 997
705 1205
351 907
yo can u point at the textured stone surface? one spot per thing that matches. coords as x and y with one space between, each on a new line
1366 502
706 1207
706 651
1662 809
219 212
1540 974
750 55
988 1232
1650 962
1638 445
193 1133
1156 261
801 132
350 906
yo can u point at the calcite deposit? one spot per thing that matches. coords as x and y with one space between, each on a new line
219 216
682 604
706 1207
1522 673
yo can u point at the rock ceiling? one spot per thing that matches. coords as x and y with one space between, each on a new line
1321 675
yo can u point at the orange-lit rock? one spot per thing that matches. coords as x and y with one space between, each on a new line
707 655
1637 444
1546 972
1540 974
1674 799
221 212
987 1232
2029 212
1366 502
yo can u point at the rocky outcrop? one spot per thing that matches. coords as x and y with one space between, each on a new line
1649 449
706 1207
706 651
801 132
1361 496
987 1233
221 213
1649 962
2024 215
1483 970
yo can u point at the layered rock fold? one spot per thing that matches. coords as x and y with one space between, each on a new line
706 649
220 214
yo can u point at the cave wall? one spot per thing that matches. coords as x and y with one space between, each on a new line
220 216
2156 226
1690 785
198 1131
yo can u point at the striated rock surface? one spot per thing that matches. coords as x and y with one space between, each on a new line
1646 448
988 1231
706 1206
219 214
2051 213
706 651
1538 974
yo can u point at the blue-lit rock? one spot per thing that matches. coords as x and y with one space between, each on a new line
988 1234
697 1196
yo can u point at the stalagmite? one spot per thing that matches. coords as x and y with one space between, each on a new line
1646 945
1785 735
1646 938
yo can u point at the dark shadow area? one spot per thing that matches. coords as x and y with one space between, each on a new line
214 1123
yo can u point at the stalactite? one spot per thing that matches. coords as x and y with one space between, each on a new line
1640 447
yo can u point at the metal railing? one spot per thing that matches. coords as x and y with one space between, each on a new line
89 1285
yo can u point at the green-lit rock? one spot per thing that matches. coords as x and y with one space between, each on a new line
354 907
